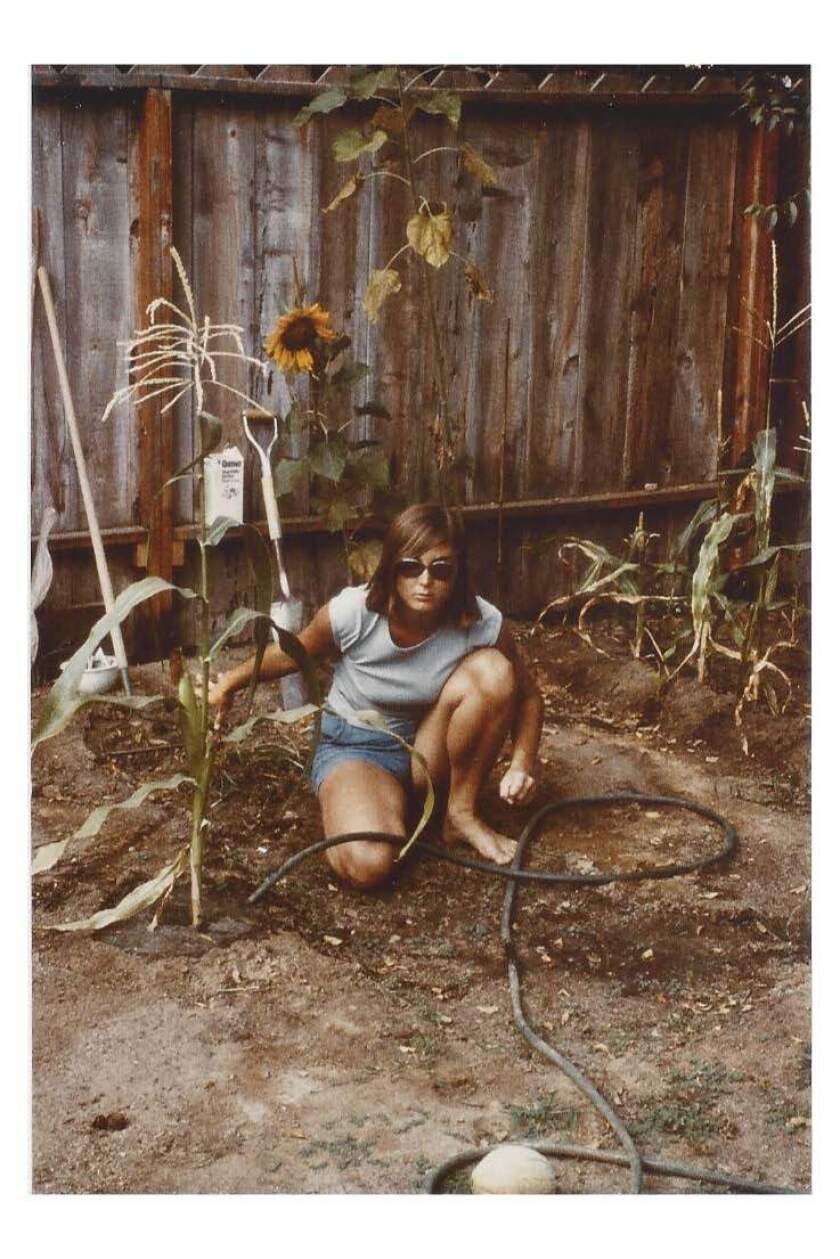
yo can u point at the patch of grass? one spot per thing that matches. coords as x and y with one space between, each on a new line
708 1077
691 1120
345 1152
544 1115
780 1110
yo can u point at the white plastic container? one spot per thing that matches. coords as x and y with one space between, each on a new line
100 675
224 485
288 613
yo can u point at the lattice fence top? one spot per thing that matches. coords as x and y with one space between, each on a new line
610 83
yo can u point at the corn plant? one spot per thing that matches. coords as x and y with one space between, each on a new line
385 148
632 579
724 623
182 355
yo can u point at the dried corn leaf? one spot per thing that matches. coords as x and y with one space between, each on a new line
142 897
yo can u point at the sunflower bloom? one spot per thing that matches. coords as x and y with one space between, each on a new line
295 338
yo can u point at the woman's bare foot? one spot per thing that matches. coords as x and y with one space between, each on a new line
487 842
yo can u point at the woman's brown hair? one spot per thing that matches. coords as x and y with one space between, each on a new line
411 533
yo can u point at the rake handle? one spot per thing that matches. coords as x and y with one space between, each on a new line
84 484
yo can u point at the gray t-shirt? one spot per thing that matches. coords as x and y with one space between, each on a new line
400 683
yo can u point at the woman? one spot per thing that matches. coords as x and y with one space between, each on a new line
440 666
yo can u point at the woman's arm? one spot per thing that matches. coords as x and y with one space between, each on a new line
316 637
518 782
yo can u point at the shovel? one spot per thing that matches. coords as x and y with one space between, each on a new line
286 610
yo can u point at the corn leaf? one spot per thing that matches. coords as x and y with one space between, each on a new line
704 513
218 529
286 717
210 428
142 897
63 699
189 717
701 582
93 823
764 478
369 717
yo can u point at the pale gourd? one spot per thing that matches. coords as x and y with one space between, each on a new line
513 1169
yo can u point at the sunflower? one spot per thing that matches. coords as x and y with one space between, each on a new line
296 336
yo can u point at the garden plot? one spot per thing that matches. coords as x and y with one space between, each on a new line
325 1040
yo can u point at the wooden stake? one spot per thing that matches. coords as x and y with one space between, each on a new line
81 468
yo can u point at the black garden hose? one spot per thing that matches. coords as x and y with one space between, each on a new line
514 874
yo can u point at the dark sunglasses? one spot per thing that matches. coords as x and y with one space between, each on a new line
438 570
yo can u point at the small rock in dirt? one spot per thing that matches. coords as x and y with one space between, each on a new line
114 1122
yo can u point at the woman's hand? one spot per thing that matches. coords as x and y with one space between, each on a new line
516 786
220 695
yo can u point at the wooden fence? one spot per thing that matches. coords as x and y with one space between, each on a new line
615 244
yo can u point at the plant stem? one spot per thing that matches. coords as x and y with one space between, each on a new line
200 793
440 361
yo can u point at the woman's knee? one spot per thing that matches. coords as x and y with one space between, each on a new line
489 671
363 863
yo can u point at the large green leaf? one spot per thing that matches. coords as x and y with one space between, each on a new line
440 103
287 475
372 465
364 85
63 699
141 897
332 99
328 458
349 145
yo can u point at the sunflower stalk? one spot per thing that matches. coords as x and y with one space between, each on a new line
439 357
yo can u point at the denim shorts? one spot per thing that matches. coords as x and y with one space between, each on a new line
341 741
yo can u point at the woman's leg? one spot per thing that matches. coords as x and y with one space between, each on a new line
461 737
359 796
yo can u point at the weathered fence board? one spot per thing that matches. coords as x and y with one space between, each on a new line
703 303
660 217
96 293
614 244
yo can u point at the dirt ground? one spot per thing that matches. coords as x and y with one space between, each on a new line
327 1041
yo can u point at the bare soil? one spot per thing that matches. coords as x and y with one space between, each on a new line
326 1041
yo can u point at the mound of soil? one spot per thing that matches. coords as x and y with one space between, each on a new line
327 1041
